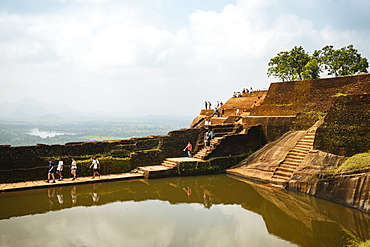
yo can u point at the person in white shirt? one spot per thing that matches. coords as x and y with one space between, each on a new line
60 169
95 165
74 169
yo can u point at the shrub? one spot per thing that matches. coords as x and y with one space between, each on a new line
356 162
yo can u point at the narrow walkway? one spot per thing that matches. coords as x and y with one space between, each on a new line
67 181
139 173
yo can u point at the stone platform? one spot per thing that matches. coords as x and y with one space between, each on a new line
67 181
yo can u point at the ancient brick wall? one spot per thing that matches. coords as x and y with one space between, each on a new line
273 127
30 162
346 129
290 98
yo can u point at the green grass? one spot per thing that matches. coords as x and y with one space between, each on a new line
356 162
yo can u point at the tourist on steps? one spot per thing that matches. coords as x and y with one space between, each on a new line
188 148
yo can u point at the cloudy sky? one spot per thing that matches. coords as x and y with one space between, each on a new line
161 56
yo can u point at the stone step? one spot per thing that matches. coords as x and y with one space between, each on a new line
278 176
291 163
169 163
286 169
303 145
153 168
278 180
295 157
302 149
298 152
282 174
305 142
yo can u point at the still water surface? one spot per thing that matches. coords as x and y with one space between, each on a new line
217 210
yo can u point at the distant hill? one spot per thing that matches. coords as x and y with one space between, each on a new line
32 109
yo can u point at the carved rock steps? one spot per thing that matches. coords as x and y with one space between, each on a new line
294 158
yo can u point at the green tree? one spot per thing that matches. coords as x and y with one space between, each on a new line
345 61
297 64
289 65
311 69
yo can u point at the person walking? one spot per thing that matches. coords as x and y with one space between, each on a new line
188 148
74 169
51 172
95 165
60 169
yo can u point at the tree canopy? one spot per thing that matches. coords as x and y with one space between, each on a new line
297 64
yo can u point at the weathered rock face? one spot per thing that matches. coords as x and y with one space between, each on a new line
261 164
350 189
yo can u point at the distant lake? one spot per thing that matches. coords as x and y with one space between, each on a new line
46 134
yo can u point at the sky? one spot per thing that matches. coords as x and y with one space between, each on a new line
161 57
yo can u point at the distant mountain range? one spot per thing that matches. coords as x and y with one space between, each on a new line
30 109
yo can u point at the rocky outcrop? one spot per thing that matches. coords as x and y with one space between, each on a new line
350 189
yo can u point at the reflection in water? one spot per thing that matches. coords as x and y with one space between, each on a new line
94 195
191 211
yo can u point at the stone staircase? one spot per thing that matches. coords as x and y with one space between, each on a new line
220 132
204 152
294 158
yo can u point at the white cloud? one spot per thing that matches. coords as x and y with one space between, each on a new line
111 51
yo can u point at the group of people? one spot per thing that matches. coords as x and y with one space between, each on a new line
208 105
95 165
245 90
208 136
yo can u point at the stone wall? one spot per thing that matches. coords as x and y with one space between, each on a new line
273 127
290 98
345 130
30 162
240 143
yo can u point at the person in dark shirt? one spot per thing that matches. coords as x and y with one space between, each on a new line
51 172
